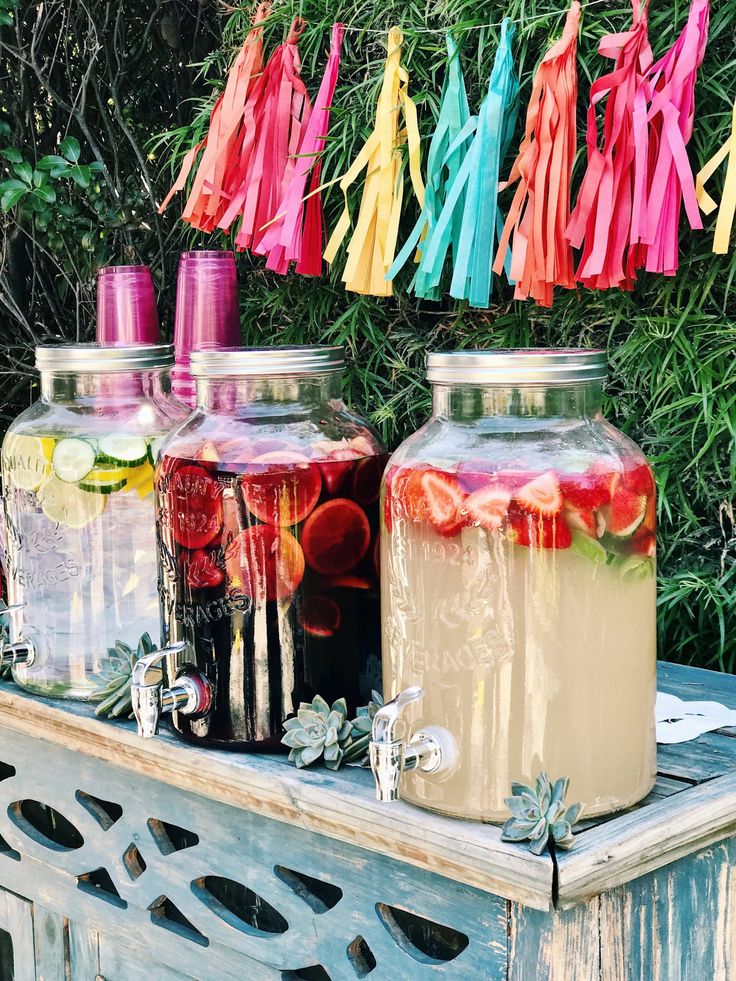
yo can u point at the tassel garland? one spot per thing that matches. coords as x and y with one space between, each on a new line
447 150
666 130
727 209
602 219
477 178
281 111
541 256
296 233
207 199
372 246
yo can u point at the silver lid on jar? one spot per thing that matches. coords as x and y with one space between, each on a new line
269 361
518 366
101 358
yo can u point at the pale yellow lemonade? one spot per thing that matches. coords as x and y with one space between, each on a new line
533 658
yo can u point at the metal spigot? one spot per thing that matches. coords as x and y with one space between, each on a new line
430 750
190 695
22 651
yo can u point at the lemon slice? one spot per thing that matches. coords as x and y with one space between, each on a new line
67 505
28 460
136 476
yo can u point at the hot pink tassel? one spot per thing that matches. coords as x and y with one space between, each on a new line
280 114
670 90
602 219
296 233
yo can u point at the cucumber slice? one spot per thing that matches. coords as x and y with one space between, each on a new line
100 485
72 459
122 450
153 447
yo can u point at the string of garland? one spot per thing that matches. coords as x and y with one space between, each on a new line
260 167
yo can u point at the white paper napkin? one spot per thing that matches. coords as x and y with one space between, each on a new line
679 721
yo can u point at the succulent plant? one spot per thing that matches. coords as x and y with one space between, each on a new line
5 669
357 750
539 815
115 675
318 730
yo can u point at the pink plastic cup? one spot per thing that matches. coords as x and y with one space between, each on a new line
126 306
206 312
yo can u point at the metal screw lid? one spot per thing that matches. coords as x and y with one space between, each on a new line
518 366
259 361
96 358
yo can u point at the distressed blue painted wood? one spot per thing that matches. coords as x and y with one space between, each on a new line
122 860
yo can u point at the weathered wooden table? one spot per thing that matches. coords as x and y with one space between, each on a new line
123 860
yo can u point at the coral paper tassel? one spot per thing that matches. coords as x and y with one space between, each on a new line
295 234
670 88
726 212
280 112
207 200
371 249
541 256
602 219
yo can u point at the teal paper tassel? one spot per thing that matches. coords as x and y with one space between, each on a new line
447 150
474 191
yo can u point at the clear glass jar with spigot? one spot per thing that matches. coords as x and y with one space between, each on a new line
77 470
267 504
518 589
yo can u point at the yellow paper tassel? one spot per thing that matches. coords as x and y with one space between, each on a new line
727 209
372 247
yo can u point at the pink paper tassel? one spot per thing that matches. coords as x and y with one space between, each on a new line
268 156
601 222
296 233
666 130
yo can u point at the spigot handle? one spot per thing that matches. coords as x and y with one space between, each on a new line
385 719
148 670
190 694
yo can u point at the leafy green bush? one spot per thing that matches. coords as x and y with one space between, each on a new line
671 342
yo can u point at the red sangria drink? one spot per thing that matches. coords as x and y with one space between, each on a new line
268 541
518 554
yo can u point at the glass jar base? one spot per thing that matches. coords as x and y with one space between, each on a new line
601 808
58 690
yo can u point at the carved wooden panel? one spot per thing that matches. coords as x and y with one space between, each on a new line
212 891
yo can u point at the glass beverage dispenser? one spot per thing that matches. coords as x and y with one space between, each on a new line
518 591
77 471
267 503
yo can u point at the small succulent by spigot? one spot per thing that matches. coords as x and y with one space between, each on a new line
539 815
113 692
318 730
5 669
357 750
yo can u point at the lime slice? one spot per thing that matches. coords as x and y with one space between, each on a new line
67 505
27 460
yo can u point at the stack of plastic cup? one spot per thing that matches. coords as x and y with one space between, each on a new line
206 312
126 306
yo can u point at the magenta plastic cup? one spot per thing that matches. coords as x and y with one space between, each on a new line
126 306
207 315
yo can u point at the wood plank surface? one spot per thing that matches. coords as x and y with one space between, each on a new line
16 919
556 946
341 806
647 839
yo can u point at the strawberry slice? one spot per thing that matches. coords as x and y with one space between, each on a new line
434 496
533 531
644 542
581 519
487 507
589 490
638 477
542 495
